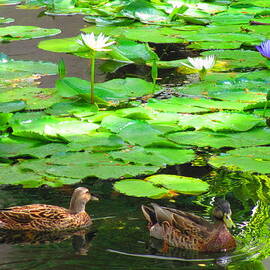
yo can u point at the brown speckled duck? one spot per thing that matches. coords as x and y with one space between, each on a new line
185 230
42 217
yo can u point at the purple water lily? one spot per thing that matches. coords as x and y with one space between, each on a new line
264 48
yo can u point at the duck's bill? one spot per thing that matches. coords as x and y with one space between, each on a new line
94 198
228 221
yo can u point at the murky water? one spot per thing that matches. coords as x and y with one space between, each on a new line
119 238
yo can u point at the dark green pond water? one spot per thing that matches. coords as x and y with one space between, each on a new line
119 238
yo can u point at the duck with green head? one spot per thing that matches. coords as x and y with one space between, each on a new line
186 230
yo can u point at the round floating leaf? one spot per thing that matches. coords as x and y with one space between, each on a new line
180 184
12 106
14 176
12 147
78 109
35 98
228 19
192 105
29 66
154 156
144 11
139 188
161 185
252 137
67 45
17 32
6 20
221 121
96 141
239 58
250 159
53 127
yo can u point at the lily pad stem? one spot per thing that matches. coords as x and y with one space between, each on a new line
202 74
92 77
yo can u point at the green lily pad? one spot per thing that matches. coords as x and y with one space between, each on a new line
252 137
192 105
154 156
250 159
150 33
16 32
6 20
39 67
239 58
139 188
221 121
161 185
35 98
180 184
113 90
73 168
12 147
53 127
96 141
12 106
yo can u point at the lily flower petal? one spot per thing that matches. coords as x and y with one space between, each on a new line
98 43
200 63
264 49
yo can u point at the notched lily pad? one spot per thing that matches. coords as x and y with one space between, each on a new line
161 185
250 159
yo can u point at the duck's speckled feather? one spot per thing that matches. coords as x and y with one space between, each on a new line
42 217
185 230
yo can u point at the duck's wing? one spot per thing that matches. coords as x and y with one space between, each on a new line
190 223
28 213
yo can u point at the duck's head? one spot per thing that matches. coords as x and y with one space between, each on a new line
222 211
80 197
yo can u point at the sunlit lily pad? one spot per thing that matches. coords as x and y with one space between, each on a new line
12 147
140 188
221 121
144 11
250 159
161 185
181 184
16 176
6 20
32 67
192 105
12 106
35 98
239 58
102 167
252 137
150 33
16 32
53 127
154 156
113 90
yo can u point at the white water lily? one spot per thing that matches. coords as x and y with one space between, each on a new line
98 43
201 63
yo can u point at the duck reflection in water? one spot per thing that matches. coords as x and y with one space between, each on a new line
81 239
